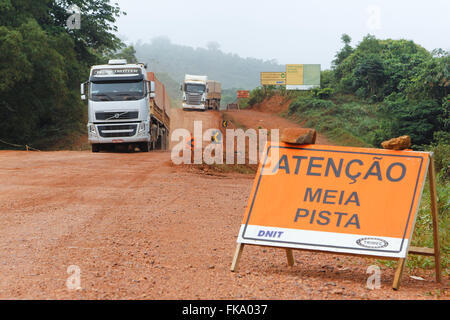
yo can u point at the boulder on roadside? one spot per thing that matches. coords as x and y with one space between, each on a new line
299 136
400 143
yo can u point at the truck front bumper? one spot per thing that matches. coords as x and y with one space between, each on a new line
114 133
194 107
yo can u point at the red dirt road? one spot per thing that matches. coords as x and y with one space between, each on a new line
140 228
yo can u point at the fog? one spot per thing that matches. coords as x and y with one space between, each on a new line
288 31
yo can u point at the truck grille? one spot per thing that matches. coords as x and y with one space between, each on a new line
109 131
119 115
193 99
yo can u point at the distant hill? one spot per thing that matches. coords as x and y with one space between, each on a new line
233 71
172 87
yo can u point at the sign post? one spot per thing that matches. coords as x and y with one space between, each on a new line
242 94
341 200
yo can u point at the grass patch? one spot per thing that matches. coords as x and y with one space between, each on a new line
423 233
350 124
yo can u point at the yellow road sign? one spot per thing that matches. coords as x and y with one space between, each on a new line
294 74
273 78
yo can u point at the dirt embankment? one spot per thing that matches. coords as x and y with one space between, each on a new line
275 104
266 115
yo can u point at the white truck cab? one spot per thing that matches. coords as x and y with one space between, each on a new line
194 92
119 105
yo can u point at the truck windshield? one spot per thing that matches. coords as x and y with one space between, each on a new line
117 91
195 88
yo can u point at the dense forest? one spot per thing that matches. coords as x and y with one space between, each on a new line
43 62
176 60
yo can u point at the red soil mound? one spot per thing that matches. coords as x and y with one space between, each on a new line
275 104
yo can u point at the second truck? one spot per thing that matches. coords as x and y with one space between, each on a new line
202 94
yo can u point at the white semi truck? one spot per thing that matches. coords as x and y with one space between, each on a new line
126 105
199 93
194 92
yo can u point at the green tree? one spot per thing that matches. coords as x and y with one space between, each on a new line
432 78
43 62
369 75
345 52
128 53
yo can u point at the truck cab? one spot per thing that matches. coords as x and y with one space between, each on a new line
119 106
194 92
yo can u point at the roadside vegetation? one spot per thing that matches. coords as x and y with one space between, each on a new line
378 90
42 64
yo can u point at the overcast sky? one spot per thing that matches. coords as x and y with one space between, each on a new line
290 31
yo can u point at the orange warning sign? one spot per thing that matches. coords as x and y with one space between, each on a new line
243 94
339 199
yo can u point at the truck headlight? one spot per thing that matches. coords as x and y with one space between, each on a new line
92 130
142 127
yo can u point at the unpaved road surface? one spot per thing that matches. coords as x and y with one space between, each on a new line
186 119
138 227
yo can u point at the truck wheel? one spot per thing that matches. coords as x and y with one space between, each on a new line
95 148
144 147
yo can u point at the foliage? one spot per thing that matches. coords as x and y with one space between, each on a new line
128 53
441 150
332 119
43 63
345 52
324 93
418 119
411 83
257 95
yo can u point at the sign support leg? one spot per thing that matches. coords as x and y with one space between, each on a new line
237 257
290 257
434 213
398 273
